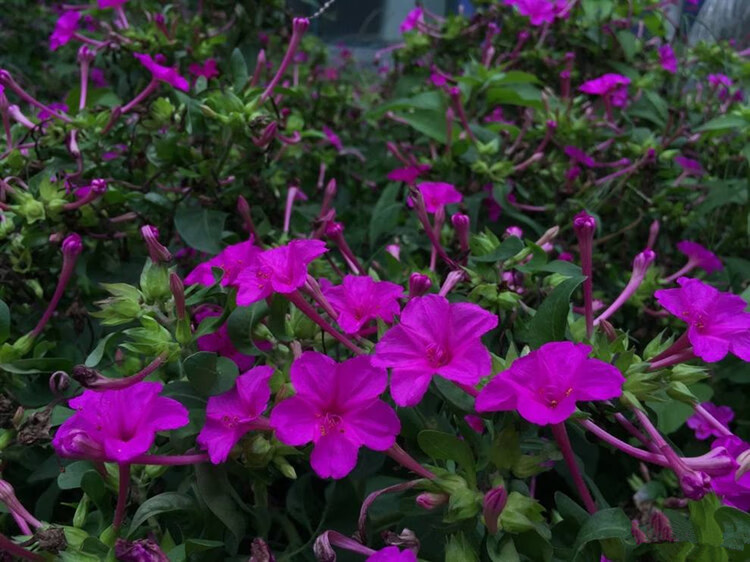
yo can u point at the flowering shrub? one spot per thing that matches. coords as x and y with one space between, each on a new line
485 301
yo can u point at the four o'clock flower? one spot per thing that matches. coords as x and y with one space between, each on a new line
159 73
540 12
337 407
232 260
281 270
333 138
613 88
410 174
208 69
703 428
411 20
65 29
219 341
698 256
360 299
393 554
232 414
545 385
434 337
667 59
717 322
733 488
438 194
117 425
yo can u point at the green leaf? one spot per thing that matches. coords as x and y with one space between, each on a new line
605 524
509 248
201 228
454 395
4 321
525 95
70 476
95 356
216 492
735 525
444 446
166 502
704 522
724 123
427 122
385 214
238 68
242 322
551 319
426 100
210 374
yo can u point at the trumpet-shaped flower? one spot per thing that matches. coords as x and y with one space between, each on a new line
163 73
717 322
220 343
667 59
208 69
65 28
438 194
732 490
613 86
393 554
281 270
703 429
360 299
545 385
411 20
337 408
103 4
410 174
231 415
232 260
700 256
539 12
434 337
117 425
689 166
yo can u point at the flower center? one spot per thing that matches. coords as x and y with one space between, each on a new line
552 397
329 423
437 355
230 422
262 275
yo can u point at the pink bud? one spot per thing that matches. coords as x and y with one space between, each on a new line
418 285
584 224
492 506
156 251
178 292
516 231
430 501
462 224
72 245
334 229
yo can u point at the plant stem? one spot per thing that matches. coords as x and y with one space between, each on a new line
561 436
122 494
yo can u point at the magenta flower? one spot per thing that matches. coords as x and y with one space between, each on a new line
545 385
717 322
438 79
411 20
333 138
539 12
232 414
117 425
578 156
232 260
611 86
360 299
163 73
65 28
208 69
494 210
720 80
698 256
337 408
703 429
438 194
408 175
103 4
220 343
733 491
690 166
281 270
667 59
393 554
434 337
59 107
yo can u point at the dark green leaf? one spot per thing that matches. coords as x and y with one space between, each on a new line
4 321
214 489
166 502
427 122
509 248
605 524
238 67
201 228
242 322
443 446
385 214
735 525
550 321
210 374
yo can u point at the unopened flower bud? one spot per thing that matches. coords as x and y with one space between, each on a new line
419 284
695 484
430 500
642 261
59 382
584 224
178 292
156 250
394 250
492 506
516 231
334 230
144 550
461 223
260 551
72 246
85 55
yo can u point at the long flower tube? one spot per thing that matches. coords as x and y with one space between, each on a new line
563 441
91 378
71 249
584 226
299 27
123 487
712 463
85 57
641 263
362 521
7 81
7 545
407 461
419 207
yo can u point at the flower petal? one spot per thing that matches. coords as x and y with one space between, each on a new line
375 426
295 421
333 456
